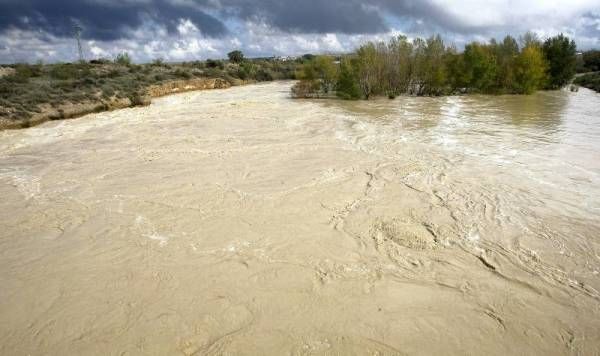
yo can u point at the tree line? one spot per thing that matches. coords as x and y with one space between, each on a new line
429 67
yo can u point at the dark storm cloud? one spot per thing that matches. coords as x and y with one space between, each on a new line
101 20
108 19
433 16
344 16
311 16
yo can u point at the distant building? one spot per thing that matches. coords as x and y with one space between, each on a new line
286 58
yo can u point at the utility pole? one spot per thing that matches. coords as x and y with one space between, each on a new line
77 32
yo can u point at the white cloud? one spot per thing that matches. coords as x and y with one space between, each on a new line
332 43
186 27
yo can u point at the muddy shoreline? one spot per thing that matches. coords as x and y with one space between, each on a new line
73 111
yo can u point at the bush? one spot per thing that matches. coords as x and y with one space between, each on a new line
347 86
236 56
264 75
306 89
590 81
214 64
591 61
99 61
158 62
23 72
180 73
68 71
123 59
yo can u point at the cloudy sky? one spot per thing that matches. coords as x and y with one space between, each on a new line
32 30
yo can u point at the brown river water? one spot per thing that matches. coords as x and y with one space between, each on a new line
242 222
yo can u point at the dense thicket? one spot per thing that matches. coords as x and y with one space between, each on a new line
430 67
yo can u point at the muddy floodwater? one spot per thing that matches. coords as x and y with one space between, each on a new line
242 222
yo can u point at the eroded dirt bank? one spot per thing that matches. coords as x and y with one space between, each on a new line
71 110
240 221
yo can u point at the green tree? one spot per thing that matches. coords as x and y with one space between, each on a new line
481 67
560 52
530 70
236 56
367 65
399 65
326 70
434 74
506 54
347 84
458 76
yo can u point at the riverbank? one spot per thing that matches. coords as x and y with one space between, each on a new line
589 80
33 94
74 110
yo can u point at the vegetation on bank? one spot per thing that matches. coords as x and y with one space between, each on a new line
588 62
588 65
431 68
590 81
31 88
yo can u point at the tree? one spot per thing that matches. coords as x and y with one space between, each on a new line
399 65
347 84
530 70
458 76
236 56
530 39
367 69
481 67
506 54
326 71
434 68
560 52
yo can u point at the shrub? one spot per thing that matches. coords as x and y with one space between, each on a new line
347 85
158 62
214 64
68 71
236 56
99 61
590 81
123 59
23 72
264 75
180 73
306 89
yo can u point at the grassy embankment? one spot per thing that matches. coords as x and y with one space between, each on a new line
31 94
